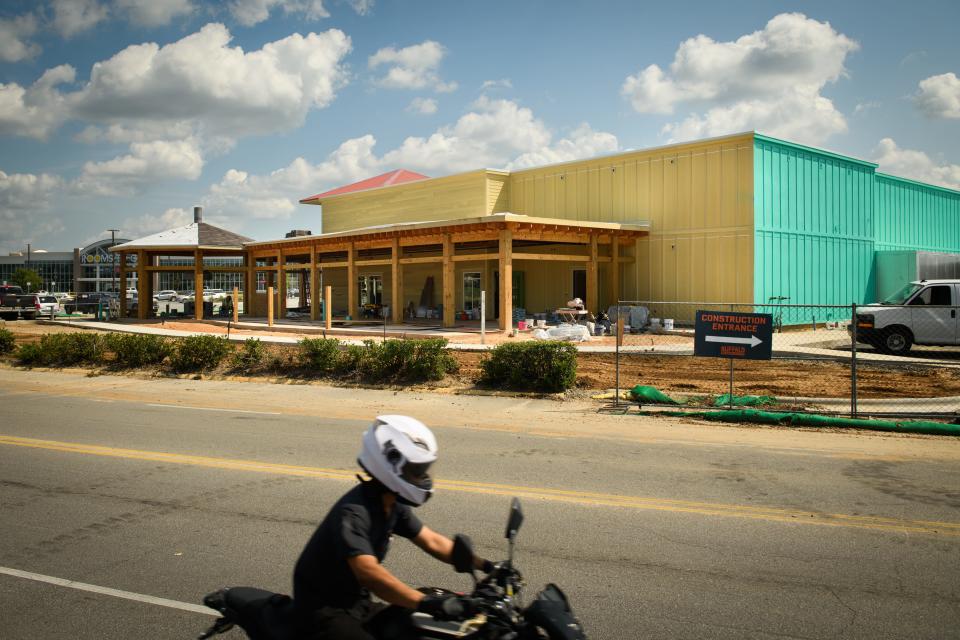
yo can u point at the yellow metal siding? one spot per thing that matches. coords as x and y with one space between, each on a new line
697 197
498 193
459 196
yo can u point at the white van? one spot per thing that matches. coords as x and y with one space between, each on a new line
922 312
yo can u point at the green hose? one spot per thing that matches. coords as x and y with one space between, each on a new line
812 420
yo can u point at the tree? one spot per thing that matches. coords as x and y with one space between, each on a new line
24 277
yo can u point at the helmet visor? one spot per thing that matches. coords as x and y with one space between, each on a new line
417 474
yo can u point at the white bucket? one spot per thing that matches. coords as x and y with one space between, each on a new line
591 327
668 324
655 325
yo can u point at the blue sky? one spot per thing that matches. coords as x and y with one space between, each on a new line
126 113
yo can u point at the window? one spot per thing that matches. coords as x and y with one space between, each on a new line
471 290
934 296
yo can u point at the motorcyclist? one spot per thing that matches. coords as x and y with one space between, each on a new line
341 564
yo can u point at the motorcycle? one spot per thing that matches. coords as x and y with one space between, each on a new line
498 610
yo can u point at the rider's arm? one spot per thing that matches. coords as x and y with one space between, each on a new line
440 546
374 576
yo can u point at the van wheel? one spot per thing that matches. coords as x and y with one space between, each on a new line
897 342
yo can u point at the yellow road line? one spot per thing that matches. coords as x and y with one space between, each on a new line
773 514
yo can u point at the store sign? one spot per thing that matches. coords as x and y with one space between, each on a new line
99 255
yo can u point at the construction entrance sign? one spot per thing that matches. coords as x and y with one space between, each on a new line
728 334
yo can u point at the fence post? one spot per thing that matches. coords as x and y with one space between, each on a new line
853 361
732 309
616 339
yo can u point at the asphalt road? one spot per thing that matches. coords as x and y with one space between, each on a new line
728 537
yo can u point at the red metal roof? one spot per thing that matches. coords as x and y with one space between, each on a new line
384 180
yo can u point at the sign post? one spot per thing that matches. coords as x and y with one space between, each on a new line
733 335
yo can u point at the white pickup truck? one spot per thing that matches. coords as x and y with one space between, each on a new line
922 312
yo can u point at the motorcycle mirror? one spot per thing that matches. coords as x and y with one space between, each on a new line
514 520
462 554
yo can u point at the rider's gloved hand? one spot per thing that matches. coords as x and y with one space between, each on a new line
447 607
487 566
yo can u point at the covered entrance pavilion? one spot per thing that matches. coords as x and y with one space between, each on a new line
437 269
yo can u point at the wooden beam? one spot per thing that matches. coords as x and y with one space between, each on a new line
142 285
378 262
314 288
449 274
421 260
351 282
592 302
506 279
328 307
123 284
553 236
333 265
475 236
615 273
396 283
198 284
556 257
281 286
476 257
413 240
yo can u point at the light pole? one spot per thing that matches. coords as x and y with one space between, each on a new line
113 260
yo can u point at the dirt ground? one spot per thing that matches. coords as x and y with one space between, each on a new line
678 374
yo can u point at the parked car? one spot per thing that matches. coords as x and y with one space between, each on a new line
88 301
49 306
14 303
166 294
922 312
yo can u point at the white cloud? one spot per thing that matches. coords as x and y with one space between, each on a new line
147 224
25 203
413 67
252 12
502 83
915 164
863 107
583 142
495 133
939 96
146 163
770 79
274 195
154 13
71 17
362 7
223 90
38 110
15 34
423 106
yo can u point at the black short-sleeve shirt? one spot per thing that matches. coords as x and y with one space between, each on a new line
355 526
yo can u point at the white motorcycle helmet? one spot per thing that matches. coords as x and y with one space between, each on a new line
398 451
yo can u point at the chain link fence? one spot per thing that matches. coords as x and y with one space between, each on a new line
851 360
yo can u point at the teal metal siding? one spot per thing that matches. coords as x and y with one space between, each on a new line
916 216
813 226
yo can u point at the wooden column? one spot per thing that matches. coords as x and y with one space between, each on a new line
449 296
281 286
396 287
269 306
314 287
123 284
506 279
351 282
592 302
250 285
615 269
328 307
236 304
142 285
198 284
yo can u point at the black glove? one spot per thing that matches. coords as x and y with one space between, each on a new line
487 567
447 607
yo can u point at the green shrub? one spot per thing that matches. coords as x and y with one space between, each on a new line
199 353
319 355
7 341
250 355
352 360
66 349
29 354
539 366
403 360
133 350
